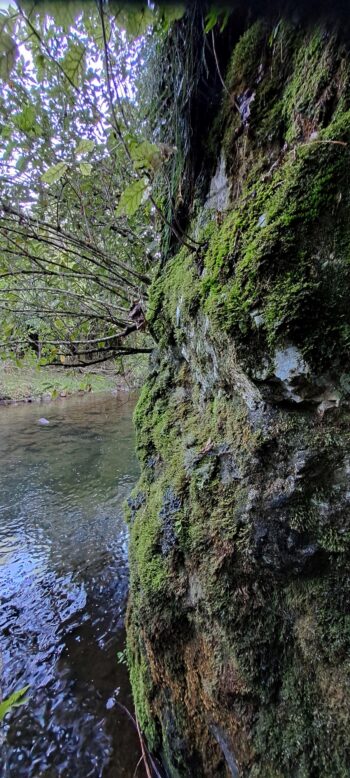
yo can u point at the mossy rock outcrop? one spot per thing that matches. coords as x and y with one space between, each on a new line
239 620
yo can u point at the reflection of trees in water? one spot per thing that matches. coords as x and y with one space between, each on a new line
62 614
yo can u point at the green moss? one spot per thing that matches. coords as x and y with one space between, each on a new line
309 89
175 294
266 255
148 562
247 55
141 685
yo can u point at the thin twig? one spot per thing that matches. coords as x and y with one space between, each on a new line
137 766
232 98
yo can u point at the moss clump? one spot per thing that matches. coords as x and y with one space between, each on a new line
142 685
311 89
268 254
247 56
175 294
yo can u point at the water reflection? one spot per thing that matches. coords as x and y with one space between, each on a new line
63 583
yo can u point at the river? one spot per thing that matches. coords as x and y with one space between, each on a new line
63 586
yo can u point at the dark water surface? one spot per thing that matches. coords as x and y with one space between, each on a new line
63 585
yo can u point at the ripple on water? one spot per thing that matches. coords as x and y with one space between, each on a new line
63 584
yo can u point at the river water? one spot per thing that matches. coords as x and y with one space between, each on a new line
63 586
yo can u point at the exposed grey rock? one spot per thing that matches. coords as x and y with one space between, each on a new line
171 506
195 590
258 318
291 370
218 197
229 470
244 102
226 749
135 503
282 549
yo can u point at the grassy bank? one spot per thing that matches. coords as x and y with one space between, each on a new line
27 382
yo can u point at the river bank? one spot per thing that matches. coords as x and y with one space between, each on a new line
27 382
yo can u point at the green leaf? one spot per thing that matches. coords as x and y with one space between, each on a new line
211 20
171 13
8 55
9 149
135 21
64 13
85 168
26 119
84 146
132 197
213 17
146 155
54 173
14 701
73 62
94 30
225 18
21 164
40 62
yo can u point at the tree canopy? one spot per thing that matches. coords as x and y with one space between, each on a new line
78 222
81 206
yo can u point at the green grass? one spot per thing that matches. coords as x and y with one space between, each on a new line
24 382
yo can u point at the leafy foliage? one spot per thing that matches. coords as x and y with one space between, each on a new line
72 265
8 55
132 197
54 173
80 204
217 15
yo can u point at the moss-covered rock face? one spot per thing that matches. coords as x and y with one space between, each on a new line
239 626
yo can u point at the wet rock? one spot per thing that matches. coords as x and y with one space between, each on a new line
257 318
329 403
237 586
284 550
195 591
135 503
178 312
308 463
226 749
171 506
218 197
176 753
152 461
244 102
291 370
229 470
